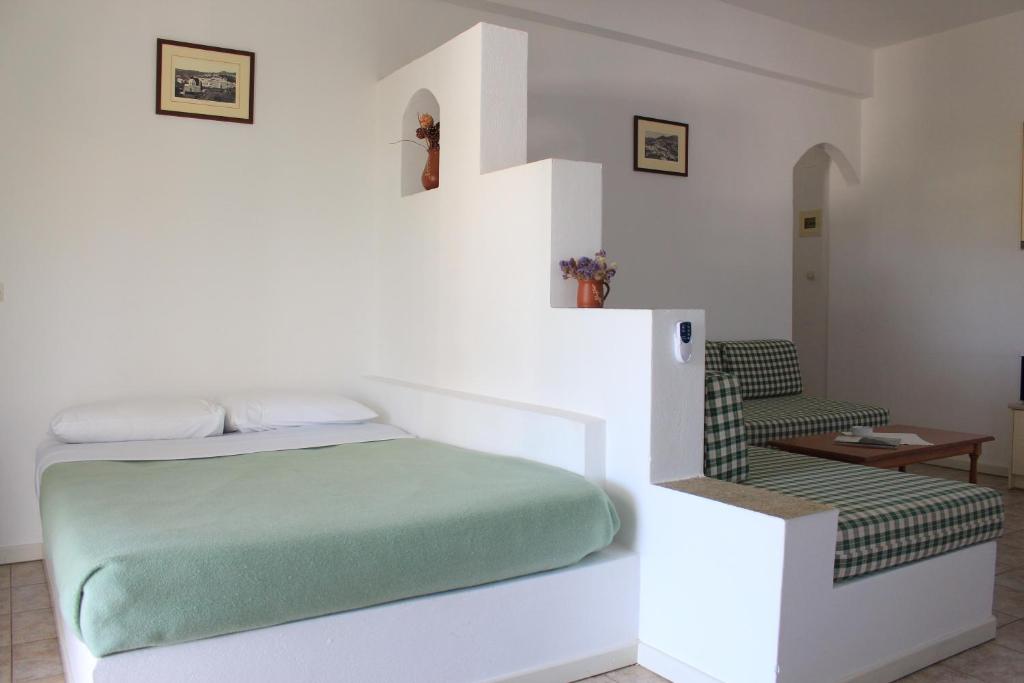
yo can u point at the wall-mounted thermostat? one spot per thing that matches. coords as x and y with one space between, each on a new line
683 339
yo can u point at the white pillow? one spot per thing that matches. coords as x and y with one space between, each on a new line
257 411
139 420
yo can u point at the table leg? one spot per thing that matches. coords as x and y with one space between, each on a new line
975 454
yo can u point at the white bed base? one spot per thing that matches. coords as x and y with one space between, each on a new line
553 627
556 626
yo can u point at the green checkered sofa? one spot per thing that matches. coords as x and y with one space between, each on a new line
774 407
886 518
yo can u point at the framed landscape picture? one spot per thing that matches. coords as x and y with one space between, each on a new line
204 82
660 146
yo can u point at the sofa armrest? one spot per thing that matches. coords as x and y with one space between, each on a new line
725 440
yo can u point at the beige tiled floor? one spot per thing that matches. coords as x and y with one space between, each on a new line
28 638
29 651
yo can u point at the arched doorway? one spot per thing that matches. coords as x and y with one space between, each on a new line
812 175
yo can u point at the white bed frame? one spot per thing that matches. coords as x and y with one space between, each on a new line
552 627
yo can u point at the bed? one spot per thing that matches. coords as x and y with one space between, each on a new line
149 553
275 555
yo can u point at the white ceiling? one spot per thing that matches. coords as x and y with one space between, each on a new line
877 23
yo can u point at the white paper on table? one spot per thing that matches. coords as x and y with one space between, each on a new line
906 438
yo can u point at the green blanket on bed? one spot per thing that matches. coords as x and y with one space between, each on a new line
152 553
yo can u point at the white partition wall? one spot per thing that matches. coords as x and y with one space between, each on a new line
476 341
470 298
470 301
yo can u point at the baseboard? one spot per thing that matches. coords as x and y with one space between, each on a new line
669 667
901 665
925 655
9 554
578 669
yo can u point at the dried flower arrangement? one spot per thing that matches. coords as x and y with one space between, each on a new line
586 268
429 131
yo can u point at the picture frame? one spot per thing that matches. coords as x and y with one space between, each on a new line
204 82
810 224
661 146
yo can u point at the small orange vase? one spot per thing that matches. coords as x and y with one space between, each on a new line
592 293
432 171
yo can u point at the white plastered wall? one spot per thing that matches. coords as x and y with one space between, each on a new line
470 301
720 239
712 31
927 273
145 254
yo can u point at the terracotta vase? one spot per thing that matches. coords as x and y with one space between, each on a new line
592 293
432 171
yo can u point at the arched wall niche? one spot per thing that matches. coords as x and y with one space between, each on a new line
414 156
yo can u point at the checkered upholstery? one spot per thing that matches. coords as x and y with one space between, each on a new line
713 356
725 445
765 367
886 518
783 417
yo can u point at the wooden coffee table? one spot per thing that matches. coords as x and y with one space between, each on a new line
944 445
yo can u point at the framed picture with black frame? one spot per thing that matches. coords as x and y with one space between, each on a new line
204 82
661 146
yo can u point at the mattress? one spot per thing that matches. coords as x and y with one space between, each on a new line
149 553
886 518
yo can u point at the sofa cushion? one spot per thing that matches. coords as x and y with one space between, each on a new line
725 445
765 367
783 417
886 518
713 356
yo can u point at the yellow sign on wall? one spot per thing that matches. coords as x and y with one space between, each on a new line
810 223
